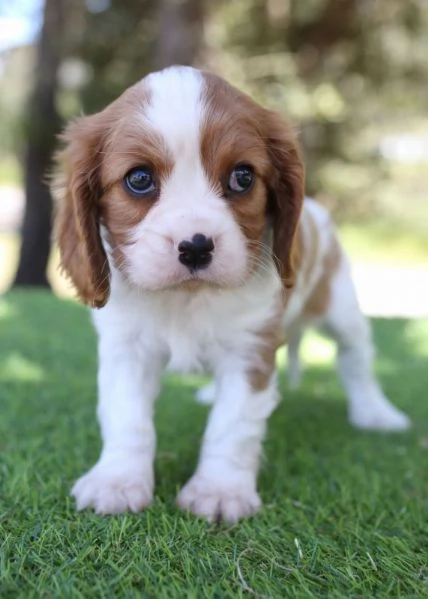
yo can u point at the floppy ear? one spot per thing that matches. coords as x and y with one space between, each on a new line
286 194
77 189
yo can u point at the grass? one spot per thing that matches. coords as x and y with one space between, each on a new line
344 511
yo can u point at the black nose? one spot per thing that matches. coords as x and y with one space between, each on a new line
196 253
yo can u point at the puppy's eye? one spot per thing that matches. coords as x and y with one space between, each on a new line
241 179
139 181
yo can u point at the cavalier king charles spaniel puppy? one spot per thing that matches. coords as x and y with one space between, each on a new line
181 221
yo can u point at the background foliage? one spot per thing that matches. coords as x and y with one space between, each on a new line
351 75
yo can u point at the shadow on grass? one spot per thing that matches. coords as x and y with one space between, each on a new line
48 390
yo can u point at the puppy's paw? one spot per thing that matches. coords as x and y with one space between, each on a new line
111 488
379 415
206 395
217 502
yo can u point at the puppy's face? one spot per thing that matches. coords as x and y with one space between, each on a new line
181 174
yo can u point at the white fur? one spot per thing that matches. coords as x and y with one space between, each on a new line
141 333
151 322
224 484
344 322
176 109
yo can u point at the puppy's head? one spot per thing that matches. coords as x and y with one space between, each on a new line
178 181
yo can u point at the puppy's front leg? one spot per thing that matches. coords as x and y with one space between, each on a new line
224 485
122 479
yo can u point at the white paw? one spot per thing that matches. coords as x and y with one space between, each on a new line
379 415
113 488
214 502
206 395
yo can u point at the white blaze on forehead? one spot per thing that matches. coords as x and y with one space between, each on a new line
175 109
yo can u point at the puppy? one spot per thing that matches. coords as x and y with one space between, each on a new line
181 221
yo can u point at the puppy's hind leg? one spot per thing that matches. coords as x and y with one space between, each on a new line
368 407
294 337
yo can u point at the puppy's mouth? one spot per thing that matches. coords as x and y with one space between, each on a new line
197 284
196 278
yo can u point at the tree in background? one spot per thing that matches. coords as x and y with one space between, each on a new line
180 33
340 69
42 125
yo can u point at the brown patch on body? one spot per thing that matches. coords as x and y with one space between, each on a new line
269 338
318 301
305 251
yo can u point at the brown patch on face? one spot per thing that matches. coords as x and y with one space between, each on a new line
318 301
100 151
269 339
238 131
230 137
120 211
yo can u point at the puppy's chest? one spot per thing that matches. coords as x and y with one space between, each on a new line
202 335
196 342
190 353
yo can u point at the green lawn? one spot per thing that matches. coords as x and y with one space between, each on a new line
345 512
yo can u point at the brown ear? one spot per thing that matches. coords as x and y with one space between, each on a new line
77 190
286 195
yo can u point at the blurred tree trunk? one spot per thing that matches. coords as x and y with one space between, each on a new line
335 23
180 32
43 123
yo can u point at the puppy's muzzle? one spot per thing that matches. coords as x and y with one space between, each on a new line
197 253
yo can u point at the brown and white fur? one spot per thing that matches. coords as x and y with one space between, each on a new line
274 269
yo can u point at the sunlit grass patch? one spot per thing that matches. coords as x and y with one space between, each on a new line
315 350
7 309
417 335
16 367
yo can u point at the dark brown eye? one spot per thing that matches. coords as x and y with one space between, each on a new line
241 179
139 181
